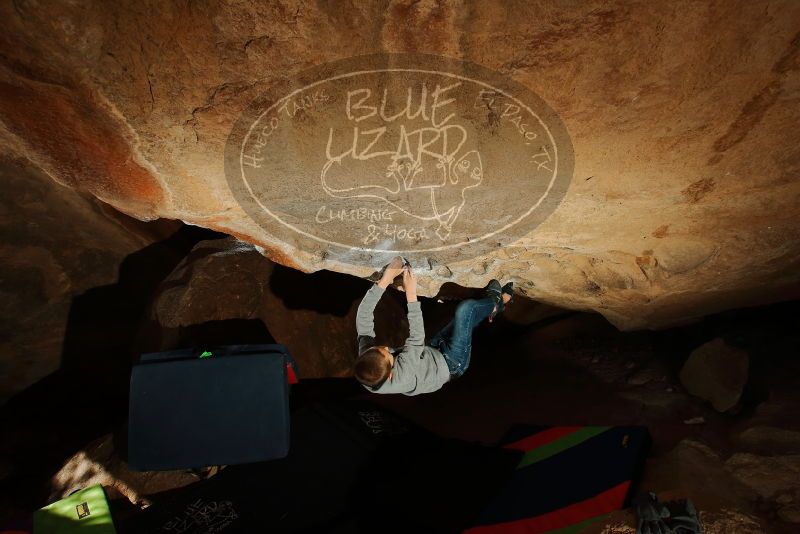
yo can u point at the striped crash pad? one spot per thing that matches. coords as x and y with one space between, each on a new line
569 477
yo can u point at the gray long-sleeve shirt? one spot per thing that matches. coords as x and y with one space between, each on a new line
417 367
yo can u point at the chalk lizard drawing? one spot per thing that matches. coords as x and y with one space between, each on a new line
427 185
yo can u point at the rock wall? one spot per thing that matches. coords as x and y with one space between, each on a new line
55 244
682 115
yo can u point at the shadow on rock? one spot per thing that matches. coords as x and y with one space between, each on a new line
88 395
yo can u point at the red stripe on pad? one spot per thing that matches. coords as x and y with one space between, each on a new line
542 438
603 503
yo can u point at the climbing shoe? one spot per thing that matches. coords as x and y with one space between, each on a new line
508 289
495 292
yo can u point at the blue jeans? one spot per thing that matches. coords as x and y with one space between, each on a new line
455 340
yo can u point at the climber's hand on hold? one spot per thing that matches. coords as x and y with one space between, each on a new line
410 284
391 272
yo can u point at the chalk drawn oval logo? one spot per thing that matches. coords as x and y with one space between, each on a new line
399 153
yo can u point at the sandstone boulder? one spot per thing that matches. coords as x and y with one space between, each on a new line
699 473
694 470
683 199
790 513
218 280
55 245
768 476
717 373
769 440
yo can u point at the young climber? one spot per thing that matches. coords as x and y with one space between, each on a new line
417 368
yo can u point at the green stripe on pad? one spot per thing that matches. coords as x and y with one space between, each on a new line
555 447
577 527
